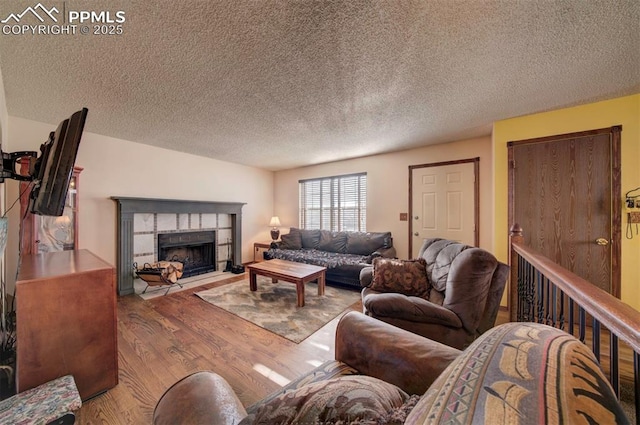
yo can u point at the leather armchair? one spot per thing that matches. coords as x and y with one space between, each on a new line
494 381
467 286
363 346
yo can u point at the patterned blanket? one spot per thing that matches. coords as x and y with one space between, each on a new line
316 257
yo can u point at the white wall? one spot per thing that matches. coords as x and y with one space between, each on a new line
4 132
388 186
4 116
115 167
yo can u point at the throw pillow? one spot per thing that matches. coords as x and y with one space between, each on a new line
398 415
347 399
408 277
291 241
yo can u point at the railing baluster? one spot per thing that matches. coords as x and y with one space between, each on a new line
636 379
595 337
540 286
547 288
572 314
614 371
521 291
554 300
562 321
530 292
582 324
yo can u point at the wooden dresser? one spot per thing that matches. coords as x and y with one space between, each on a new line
66 321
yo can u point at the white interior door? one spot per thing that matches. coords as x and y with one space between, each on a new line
443 203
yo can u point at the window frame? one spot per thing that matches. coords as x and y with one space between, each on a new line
335 203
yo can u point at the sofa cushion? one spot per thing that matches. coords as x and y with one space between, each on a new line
333 241
365 243
346 399
310 238
521 373
408 277
293 240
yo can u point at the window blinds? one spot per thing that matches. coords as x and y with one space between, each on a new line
334 203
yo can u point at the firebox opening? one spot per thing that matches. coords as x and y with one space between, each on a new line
196 250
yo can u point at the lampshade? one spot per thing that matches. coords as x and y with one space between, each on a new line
275 222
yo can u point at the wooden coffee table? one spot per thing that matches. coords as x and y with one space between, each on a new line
289 271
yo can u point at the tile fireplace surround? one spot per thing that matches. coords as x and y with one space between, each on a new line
141 219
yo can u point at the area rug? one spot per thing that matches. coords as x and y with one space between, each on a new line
273 305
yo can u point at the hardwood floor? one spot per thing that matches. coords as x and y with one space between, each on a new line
166 338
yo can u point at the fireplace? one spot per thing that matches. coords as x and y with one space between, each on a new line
142 220
196 250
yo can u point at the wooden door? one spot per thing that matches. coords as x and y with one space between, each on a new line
443 202
564 193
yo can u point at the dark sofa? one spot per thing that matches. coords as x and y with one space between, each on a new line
344 254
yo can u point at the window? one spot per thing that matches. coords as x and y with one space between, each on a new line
334 203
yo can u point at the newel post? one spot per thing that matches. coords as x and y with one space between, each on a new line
515 236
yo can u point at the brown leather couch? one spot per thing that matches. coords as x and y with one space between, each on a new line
466 288
515 373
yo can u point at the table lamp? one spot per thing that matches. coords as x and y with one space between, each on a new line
275 232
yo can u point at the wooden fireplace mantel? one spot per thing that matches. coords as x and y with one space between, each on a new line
128 206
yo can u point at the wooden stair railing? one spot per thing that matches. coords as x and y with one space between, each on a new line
542 291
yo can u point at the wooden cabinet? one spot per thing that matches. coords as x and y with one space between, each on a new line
66 321
43 234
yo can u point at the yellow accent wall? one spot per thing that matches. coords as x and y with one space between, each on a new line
623 111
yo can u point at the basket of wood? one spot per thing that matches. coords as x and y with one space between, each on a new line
160 274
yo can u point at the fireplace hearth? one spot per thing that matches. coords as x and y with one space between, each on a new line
195 250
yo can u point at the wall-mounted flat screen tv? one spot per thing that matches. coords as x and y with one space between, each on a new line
52 170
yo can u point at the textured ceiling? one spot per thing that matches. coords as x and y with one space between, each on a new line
282 84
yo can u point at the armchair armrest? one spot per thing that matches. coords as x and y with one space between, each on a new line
404 307
199 398
382 252
392 354
366 276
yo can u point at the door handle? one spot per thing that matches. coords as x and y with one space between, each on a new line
602 242
416 234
